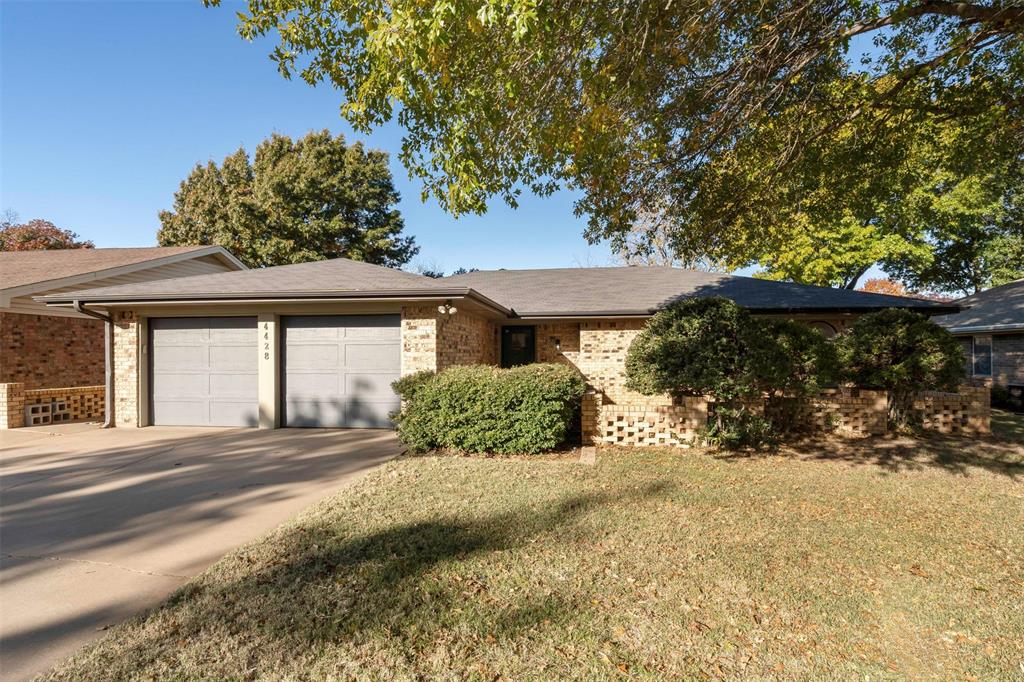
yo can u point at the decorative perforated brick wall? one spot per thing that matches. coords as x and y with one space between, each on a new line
845 411
80 403
967 412
45 350
652 425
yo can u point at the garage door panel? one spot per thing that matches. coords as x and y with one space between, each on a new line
203 371
369 414
240 413
312 356
316 413
168 412
348 386
233 335
371 356
237 358
180 358
371 386
302 384
234 385
182 384
313 334
372 327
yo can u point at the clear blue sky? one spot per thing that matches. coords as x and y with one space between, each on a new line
107 106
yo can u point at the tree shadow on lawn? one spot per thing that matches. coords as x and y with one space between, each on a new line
400 589
908 453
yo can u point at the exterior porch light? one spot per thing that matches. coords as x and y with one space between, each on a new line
447 308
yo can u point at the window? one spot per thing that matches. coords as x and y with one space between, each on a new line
982 356
826 329
518 346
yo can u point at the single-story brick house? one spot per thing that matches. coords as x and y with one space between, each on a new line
318 344
991 329
48 348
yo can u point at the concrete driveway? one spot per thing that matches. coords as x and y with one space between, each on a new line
97 525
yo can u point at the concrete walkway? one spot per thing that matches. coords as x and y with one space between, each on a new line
97 525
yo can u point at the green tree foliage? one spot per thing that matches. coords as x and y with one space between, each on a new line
902 352
522 410
974 226
711 346
313 198
38 235
1006 259
736 122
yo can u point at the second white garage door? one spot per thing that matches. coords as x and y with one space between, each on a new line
337 370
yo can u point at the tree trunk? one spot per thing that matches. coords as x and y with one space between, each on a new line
901 410
851 282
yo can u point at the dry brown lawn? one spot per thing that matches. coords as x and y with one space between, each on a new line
880 559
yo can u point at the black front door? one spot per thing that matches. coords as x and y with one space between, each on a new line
518 346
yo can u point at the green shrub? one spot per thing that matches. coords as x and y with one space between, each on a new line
902 352
736 428
407 386
526 409
713 347
1000 396
799 360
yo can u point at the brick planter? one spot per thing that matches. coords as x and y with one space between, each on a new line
82 403
849 412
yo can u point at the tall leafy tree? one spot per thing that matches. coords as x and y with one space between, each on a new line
713 111
37 235
295 200
974 230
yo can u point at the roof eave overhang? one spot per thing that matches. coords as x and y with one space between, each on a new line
987 328
792 310
846 310
67 300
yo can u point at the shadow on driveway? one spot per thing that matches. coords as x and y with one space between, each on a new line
100 524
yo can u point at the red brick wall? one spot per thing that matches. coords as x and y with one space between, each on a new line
43 351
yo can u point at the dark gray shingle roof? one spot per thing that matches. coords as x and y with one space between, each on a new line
555 292
319 277
638 289
997 309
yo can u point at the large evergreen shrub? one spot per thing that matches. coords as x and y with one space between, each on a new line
902 352
712 347
527 409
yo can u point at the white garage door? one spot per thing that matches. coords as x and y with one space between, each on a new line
203 371
337 370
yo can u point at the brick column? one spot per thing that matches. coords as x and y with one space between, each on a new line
12 405
126 368
590 416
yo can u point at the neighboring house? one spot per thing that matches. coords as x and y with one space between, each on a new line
991 329
318 344
47 348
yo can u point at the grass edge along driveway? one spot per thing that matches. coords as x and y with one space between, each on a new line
815 563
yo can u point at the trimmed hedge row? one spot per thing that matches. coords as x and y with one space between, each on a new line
477 408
